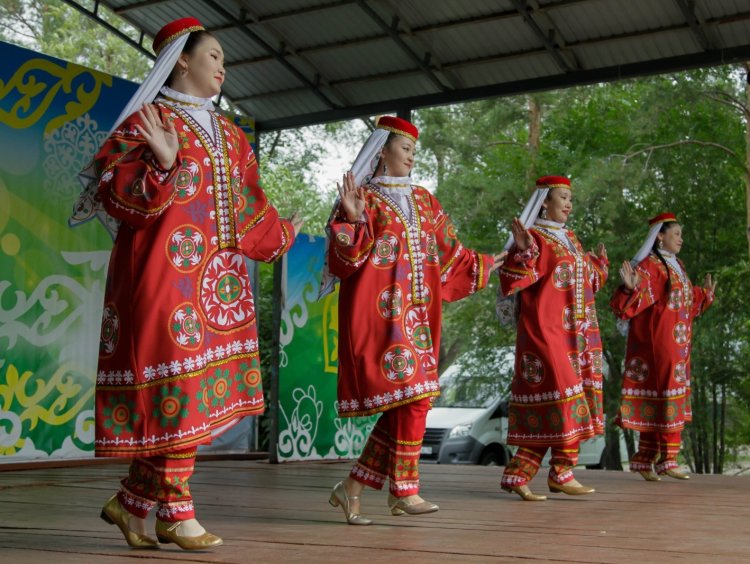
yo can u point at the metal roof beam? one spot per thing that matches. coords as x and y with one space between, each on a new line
94 15
137 6
505 57
543 83
687 7
414 31
278 55
550 37
392 31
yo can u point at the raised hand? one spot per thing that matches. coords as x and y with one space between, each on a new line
601 251
297 222
521 235
352 197
161 137
498 260
709 284
629 276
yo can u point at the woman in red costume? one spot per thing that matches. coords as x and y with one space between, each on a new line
556 393
178 360
398 258
660 304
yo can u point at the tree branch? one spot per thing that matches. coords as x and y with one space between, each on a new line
651 148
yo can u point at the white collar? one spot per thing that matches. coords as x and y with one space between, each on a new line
549 224
185 101
391 181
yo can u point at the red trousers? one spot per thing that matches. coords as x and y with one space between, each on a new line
393 448
526 462
163 481
656 450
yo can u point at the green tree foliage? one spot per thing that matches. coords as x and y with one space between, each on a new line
633 149
56 29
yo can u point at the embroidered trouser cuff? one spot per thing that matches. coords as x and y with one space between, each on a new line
526 462
163 481
393 448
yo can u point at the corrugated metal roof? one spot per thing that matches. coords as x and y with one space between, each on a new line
296 62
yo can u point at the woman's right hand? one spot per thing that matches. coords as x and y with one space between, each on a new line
161 137
352 197
629 276
521 235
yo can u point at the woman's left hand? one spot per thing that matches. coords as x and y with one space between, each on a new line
297 222
601 251
498 260
709 284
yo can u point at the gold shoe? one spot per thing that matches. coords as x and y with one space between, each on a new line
524 492
115 514
168 532
400 506
672 473
649 475
340 497
570 488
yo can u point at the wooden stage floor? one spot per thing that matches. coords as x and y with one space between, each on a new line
280 513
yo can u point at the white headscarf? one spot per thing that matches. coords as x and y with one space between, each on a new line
530 212
88 204
623 325
363 168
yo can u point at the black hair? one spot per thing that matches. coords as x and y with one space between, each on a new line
193 40
663 229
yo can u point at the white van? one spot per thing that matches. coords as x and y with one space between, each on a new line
472 428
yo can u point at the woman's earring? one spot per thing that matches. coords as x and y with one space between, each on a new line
661 245
544 213
385 169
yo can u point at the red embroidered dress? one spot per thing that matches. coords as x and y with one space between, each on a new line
396 268
656 382
556 393
178 358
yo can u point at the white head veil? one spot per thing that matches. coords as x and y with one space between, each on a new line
646 248
530 212
88 205
363 168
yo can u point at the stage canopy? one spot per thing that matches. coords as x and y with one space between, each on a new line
298 62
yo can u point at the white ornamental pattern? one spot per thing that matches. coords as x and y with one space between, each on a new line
417 329
225 294
385 251
391 302
186 248
637 370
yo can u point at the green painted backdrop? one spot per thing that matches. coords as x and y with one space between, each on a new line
309 428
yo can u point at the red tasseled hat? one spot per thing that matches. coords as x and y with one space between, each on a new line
398 126
662 218
173 30
553 182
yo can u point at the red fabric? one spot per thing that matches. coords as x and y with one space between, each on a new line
553 182
394 277
178 355
662 218
173 30
393 449
526 462
556 393
657 450
398 126
162 481
656 381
